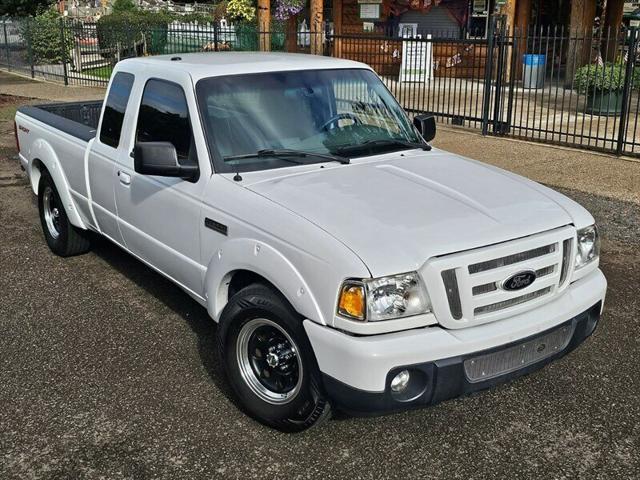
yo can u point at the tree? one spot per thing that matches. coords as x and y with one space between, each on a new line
120 6
23 7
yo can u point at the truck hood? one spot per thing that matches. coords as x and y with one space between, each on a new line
396 211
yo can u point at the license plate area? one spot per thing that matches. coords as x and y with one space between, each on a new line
494 364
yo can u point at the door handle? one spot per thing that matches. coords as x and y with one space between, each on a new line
125 178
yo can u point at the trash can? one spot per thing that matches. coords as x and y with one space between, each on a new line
533 71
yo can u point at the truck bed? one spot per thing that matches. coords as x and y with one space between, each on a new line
79 119
66 129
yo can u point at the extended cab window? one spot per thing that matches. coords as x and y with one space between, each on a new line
164 117
114 109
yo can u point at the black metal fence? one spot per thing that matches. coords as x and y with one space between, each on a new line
84 53
544 84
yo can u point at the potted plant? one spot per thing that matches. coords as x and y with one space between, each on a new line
603 85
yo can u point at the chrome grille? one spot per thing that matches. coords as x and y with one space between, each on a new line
491 365
545 271
511 259
494 307
468 289
453 294
485 288
567 255
490 287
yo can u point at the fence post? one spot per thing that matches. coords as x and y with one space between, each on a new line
497 104
488 70
215 36
626 92
30 48
63 46
6 44
506 127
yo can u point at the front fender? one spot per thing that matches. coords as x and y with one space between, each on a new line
265 260
42 151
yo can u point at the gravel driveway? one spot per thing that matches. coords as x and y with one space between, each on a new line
108 371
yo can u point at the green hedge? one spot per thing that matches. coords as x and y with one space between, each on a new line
602 78
45 34
247 38
127 28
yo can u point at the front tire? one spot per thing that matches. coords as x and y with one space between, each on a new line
61 236
269 361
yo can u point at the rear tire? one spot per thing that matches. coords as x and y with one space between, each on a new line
61 236
269 361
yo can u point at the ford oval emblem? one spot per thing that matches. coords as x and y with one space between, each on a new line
519 281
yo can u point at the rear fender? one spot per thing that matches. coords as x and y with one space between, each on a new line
264 260
42 155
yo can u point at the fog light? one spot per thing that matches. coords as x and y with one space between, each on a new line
400 381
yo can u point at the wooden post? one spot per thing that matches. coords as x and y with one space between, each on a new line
523 15
316 26
522 20
509 12
144 45
291 38
337 28
583 13
612 22
264 25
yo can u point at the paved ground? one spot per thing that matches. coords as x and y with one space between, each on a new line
107 370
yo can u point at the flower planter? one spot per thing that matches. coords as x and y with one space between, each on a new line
606 103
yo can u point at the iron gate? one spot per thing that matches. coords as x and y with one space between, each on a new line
485 84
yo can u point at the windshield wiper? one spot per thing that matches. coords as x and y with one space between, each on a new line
268 152
383 143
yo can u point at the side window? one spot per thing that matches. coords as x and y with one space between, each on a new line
164 117
114 109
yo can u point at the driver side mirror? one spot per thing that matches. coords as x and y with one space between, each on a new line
161 158
426 125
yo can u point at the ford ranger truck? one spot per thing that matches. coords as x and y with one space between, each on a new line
348 263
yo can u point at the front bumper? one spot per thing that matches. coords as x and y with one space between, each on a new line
357 371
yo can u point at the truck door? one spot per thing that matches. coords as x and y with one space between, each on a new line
159 217
104 153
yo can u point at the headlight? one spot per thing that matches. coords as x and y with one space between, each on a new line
588 246
383 298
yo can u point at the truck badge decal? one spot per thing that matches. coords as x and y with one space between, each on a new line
216 226
519 281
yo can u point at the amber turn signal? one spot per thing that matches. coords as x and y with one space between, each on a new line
351 303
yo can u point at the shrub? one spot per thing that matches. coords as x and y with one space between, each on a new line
241 10
122 6
602 78
635 79
248 37
128 28
44 32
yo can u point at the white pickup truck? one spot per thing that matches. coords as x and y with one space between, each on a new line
346 261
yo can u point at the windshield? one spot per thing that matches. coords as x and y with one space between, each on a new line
315 111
